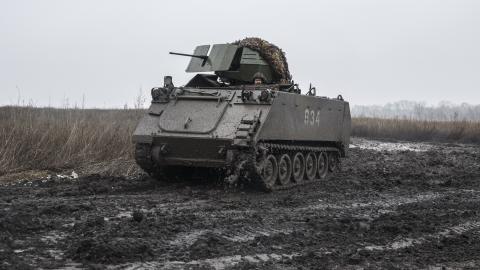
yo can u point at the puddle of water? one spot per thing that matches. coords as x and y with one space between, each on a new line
124 214
473 264
53 237
72 266
245 235
462 228
183 205
404 243
408 242
250 234
68 225
232 214
228 261
187 239
389 146
55 253
218 263
388 202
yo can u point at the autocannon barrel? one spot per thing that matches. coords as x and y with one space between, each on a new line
204 57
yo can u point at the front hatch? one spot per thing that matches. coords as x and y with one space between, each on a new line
195 111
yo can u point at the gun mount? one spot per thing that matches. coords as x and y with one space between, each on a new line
232 63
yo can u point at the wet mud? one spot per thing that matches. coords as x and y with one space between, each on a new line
393 206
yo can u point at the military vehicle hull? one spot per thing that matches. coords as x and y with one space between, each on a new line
272 139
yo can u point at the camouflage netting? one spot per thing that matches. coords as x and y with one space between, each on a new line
274 56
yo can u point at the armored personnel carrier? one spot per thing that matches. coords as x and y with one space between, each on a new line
246 118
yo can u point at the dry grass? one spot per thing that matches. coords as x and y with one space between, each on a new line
61 139
415 130
46 138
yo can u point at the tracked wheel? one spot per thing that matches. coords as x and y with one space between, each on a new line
278 166
270 172
284 169
298 167
143 157
310 166
322 166
333 162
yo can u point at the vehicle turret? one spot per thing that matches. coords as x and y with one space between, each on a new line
231 63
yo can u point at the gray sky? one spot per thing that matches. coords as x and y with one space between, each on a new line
371 51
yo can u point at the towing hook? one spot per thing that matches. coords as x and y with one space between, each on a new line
312 91
163 149
246 95
185 125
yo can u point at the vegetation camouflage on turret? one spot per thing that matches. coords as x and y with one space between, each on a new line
271 53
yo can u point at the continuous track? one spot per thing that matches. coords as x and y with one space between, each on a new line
279 150
257 165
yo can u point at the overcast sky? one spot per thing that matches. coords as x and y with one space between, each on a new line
370 51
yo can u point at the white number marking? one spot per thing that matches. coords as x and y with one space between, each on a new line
312 118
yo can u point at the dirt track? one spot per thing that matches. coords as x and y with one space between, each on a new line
393 206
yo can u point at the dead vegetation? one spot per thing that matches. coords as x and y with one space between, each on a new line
416 130
100 140
404 109
53 139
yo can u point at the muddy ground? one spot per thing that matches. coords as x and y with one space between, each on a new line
394 206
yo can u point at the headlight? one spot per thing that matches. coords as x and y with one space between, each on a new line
159 93
265 95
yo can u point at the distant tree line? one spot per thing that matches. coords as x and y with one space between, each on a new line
411 110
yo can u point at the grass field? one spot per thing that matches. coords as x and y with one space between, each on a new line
46 138
416 130
56 139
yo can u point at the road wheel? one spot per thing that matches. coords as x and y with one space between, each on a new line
270 172
284 169
298 167
333 162
310 166
322 165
